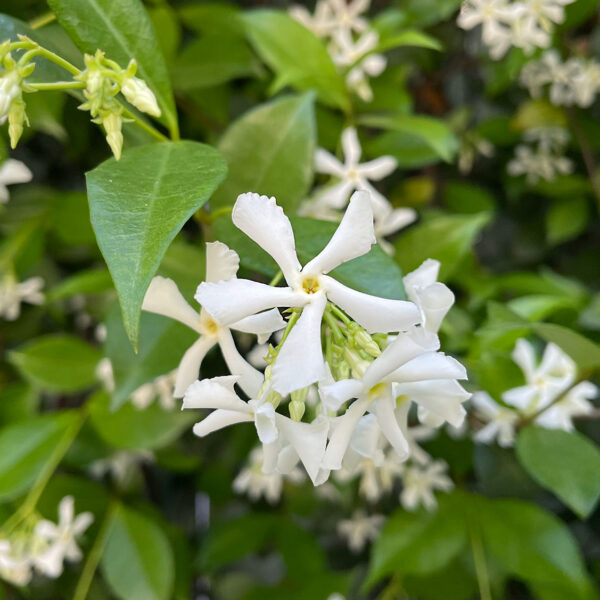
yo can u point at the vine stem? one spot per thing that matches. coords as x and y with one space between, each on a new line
42 20
481 571
95 554
58 85
277 278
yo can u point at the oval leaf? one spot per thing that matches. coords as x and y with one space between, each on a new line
137 206
564 462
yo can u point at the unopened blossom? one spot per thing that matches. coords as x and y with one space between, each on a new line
251 480
360 529
138 93
161 388
61 538
420 483
11 172
499 421
164 298
284 441
13 293
299 361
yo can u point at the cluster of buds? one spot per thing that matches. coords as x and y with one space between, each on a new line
12 86
104 79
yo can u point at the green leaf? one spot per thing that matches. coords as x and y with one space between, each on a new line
410 37
92 281
270 150
433 132
136 429
538 113
137 206
566 219
373 273
446 238
410 151
25 448
212 17
59 363
566 463
583 351
137 561
163 343
123 30
296 55
419 543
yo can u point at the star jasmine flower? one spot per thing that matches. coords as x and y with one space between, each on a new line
420 483
360 529
14 567
12 171
121 465
13 293
321 23
347 15
161 388
500 422
299 362
575 403
164 298
61 538
285 442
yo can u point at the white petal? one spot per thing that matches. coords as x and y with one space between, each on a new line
264 421
215 393
66 510
50 562
334 395
271 454
222 263
300 360
308 440
335 196
556 363
402 350
14 171
46 530
4 194
220 419
230 301
338 444
351 146
189 366
383 408
353 237
524 397
397 219
379 168
164 298
365 439
261 324
524 356
287 459
250 380
421 277
326 163
435 301
264 222
376 315
429 365
82 522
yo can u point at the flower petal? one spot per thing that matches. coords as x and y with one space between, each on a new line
435 301
214 393
14 171
376 315
383 408
220 419
379 168
222 263
264 222
250 380
300 360
524 356
365 439
164 298
395 220
334 395
189 366
327 163
263 323
429 365
265 423
422 277
230 301
334 196
353 237
351 146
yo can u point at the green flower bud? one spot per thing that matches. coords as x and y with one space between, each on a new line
296 409
16 118
140 95
112 125
365 341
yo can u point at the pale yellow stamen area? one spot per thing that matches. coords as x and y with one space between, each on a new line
377 390
310 285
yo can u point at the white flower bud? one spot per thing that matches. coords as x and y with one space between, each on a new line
114 137
140 95
9 90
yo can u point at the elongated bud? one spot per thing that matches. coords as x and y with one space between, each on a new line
296 410
140 95
365 341
16 118
9 90
274 398
112 125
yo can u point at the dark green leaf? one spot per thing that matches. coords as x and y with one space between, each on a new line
566 219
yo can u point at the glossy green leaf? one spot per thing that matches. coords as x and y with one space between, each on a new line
58 363
373 273
566 219
123 30
137 206
93 281
566 463
137 561
296 55
270 150
212 17
411 38
447 238
433 132
162 344
135 429
25 448
410 152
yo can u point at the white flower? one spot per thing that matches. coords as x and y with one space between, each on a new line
161 388
420 483
15 566
61 538
321 23
500 422
12 171
253 481
360 529
121 465
10 89
352 175
140 95
285 442
408 369
12 293
300 359
433 298
164 298
575 403
347 15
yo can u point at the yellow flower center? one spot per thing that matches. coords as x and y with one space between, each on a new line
210 327
377 391
310 285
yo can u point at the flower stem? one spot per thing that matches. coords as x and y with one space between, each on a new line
145 126
61 62
341 315
58 85
276 279
42 20
95 554
481 571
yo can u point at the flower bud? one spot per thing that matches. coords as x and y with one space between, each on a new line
365 341
296 409
9 89
140 95
16 118
112 125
